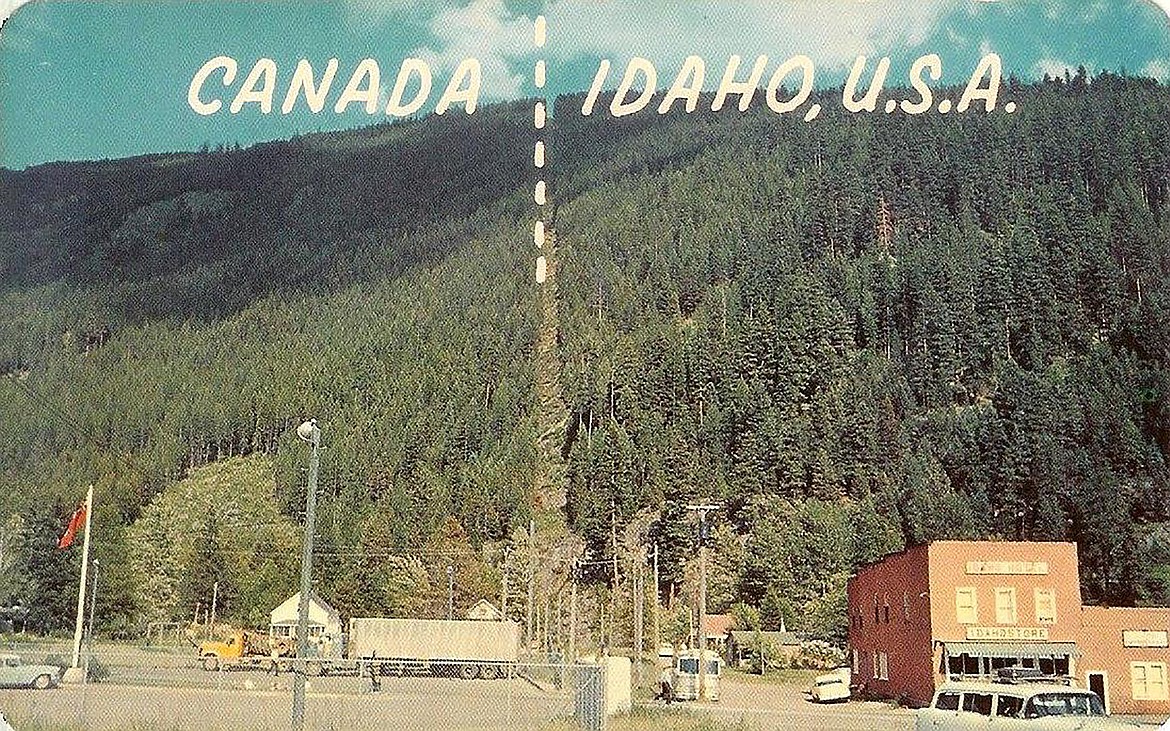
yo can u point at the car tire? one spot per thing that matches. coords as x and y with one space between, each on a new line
43 681
489 672
467 671
211 663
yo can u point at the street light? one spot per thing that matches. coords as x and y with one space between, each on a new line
308 432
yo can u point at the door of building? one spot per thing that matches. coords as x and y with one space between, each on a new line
1098 683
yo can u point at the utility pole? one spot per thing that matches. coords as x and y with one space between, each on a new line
504 589
573 612
531 579
657 626
450 592
702 510
214 601
639 606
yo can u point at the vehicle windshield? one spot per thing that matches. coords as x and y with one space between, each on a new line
689 666
1064 704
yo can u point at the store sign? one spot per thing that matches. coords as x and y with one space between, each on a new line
1013 568
1144 638
1030 634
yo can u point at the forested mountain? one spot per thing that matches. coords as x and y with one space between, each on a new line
855 334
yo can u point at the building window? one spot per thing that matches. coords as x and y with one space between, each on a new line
1148 680
856 662
966 606
1045 606
1005 605
883 666
877 617
906 606
886 609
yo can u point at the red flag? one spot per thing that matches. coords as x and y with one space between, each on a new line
76 523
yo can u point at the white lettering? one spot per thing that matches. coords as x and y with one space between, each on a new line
805 64
455 92
410 66
368 72
746 89
303 79
229 75
619 107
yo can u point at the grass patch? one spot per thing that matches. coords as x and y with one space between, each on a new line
660 719
789 676
35 723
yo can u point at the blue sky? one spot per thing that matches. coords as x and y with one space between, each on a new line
87 80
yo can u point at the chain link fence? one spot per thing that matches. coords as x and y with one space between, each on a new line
163 689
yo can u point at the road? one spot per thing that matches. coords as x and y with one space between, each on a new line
766 706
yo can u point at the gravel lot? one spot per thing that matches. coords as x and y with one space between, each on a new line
168 691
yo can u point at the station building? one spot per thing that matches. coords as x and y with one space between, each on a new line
965 609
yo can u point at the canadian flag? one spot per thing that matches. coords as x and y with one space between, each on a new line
76 523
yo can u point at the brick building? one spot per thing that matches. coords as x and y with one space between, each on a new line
964 609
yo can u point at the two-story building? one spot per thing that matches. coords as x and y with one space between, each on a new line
965 609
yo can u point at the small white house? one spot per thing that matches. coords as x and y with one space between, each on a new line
485 611
323 619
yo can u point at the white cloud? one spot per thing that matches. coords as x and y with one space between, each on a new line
1054 67
1158 68
832 34
8 7
487 31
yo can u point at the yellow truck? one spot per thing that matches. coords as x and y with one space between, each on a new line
246 650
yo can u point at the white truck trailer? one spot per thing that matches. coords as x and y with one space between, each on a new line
452 648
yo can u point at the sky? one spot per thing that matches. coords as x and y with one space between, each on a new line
102 79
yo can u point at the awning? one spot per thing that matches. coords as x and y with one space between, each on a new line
1012 649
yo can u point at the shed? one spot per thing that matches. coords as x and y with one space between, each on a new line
716 627
323 619
743 645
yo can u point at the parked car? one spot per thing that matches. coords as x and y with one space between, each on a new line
1032 706
15 674
830 687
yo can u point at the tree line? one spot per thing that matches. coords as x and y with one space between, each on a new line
854 335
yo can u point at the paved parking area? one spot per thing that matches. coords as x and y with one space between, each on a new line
766 706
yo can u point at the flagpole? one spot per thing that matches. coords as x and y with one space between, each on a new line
81 584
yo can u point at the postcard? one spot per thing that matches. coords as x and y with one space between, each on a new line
547 363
